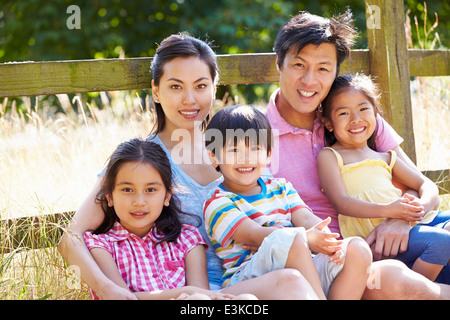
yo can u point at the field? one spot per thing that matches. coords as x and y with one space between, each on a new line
49 161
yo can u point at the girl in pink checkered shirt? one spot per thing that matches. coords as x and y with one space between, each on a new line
141 245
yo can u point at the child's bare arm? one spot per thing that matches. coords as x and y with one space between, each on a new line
414 179
320 238
430 201
108 266
251 233
195 267
334 188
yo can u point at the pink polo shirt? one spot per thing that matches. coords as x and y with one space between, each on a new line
294 157
143 264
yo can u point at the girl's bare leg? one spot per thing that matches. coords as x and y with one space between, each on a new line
351 281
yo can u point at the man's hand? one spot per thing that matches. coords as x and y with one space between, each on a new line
389 238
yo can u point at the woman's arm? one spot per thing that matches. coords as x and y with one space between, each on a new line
73 249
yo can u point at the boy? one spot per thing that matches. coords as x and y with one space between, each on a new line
248 208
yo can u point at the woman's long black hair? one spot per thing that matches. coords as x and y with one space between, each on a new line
143 151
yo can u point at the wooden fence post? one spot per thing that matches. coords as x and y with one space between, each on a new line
388 60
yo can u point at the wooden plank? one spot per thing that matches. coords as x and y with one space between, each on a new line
43 78
429 63
72 76
388 59
441 178
34 232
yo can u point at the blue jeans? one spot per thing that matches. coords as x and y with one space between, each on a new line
431 243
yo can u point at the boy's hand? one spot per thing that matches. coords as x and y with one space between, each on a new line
338 257
322 240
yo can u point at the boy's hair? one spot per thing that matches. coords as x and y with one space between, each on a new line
142 151
180 45
305 28
232 124
363 84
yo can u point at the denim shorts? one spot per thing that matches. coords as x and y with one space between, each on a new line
273 253
431 243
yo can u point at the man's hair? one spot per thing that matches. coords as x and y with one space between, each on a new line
305 28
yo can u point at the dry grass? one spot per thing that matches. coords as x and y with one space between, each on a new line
431 115
59 155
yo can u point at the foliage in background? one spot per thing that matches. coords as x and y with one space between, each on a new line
36 29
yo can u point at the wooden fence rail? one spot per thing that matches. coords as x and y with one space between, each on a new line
387 59
53 77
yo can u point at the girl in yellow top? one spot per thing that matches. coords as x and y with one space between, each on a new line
358 180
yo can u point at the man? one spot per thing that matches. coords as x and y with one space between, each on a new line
309 52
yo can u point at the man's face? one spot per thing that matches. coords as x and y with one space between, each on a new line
306 79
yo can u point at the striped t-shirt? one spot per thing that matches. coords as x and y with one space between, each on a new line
224 211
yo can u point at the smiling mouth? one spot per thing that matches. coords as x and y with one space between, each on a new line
306 94
139 213
245 170
192 113
358 130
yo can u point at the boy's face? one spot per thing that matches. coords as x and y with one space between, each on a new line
305 80
241 165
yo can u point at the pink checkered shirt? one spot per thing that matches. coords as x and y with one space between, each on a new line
144 265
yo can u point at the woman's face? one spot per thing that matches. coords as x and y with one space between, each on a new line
186 91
